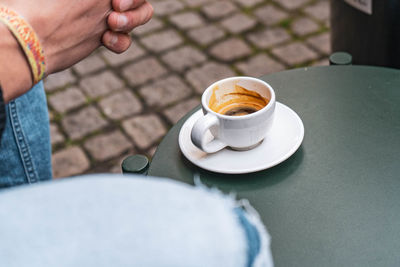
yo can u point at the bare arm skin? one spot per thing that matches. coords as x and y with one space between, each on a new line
69 31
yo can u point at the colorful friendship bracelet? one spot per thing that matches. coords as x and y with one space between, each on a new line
27 39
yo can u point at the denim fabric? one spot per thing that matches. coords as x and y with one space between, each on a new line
25 149
2 113
115 220
252 235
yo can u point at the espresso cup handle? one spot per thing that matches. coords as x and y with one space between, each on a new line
198 134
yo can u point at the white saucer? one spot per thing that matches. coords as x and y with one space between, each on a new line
282 141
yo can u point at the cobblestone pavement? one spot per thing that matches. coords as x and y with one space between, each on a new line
110 106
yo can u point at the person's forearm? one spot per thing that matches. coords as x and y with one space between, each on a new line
65 35
15 75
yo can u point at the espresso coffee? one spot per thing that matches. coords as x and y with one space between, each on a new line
236 101
238 113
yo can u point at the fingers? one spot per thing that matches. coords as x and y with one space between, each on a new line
127 21
116 42
128 14
125 5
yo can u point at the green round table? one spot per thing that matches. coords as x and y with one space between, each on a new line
336 201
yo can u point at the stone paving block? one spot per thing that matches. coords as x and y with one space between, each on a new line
143 71
196 3
219 9
321 62
89 64
161 41
319 10
57 80
321 42
304 26
151 151
115 169
294 53
206 35
270 14
101 84
66 100
187 20
167 7
292 4
269 37
248 3
175 113
202 77
327 23
51 115
183 58
68 162
153 25
120 105
238 23
55 135
107 146
165 91
144 130
83 122
133 52
230 49
259 65
161 48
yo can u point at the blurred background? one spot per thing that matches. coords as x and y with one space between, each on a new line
110 106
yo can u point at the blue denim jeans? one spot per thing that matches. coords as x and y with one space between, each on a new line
25 149
114 220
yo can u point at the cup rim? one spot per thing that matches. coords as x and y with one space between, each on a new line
271 102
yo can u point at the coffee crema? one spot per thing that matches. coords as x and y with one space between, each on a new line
236 102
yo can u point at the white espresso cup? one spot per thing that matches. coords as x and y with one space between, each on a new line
238 111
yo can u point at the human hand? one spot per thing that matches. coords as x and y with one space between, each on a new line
69 30
127 15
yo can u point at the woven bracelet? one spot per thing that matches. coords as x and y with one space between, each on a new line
27 39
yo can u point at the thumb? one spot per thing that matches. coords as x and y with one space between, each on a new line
116 42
